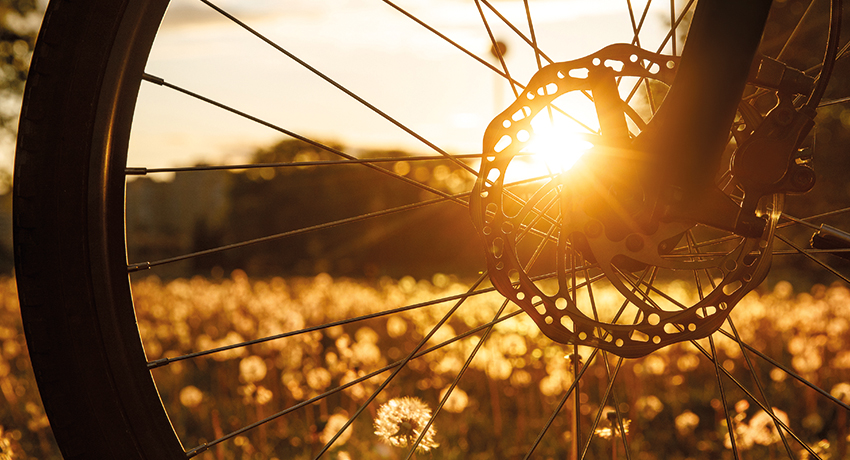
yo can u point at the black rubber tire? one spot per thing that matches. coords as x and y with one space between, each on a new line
68 228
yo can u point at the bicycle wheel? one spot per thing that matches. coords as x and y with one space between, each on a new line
286 367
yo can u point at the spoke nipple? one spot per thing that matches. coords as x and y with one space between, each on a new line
634 242
138 267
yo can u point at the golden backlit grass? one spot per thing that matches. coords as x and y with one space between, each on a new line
668 401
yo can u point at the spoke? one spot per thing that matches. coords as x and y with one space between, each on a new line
457 379
752 398
673 24
161 82
813 258
141 171
725 403
349 220
498 51
663 44
796 30
399 368
561 403
637 29
840 100
531 42
608 388
165 361
336 84
759 386
537 52
452 42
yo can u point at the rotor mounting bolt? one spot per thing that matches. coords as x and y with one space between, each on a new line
593 229
804 178
634 242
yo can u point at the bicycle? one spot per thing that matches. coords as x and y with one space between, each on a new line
630 214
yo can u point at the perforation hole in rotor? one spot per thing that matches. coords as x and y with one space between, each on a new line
497 248
490 213
520 295
506 124
523 135
560 303
513 275
656 340
639 336
617 65
730 265
582 336
500 266
579 73
503 143
567 323
653 319
529 95
521 113
692 327
706 312
619 343
561 75
670 328
671 64
493 174
541 308
485 194
654 68
486 230
633 58
549 320
723 305
551 88
596 62
732 287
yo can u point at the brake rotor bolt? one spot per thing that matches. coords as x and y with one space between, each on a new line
803 178
634 242
593 229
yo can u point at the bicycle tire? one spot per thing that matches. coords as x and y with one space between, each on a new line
87 367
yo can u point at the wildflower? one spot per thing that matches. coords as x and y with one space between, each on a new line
686 422
762 430
335 423
400 422
191 396
613 428
457 401
252 369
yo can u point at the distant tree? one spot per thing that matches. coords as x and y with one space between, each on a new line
19 23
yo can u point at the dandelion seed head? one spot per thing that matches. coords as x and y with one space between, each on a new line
686 422
191 396
334 424
400 422
457 402
252 369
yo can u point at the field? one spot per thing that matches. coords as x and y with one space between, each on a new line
514 383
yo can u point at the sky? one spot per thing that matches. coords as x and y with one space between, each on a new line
366 46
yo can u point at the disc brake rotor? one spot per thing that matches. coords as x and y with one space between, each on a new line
591 226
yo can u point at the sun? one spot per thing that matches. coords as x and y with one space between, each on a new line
557 142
